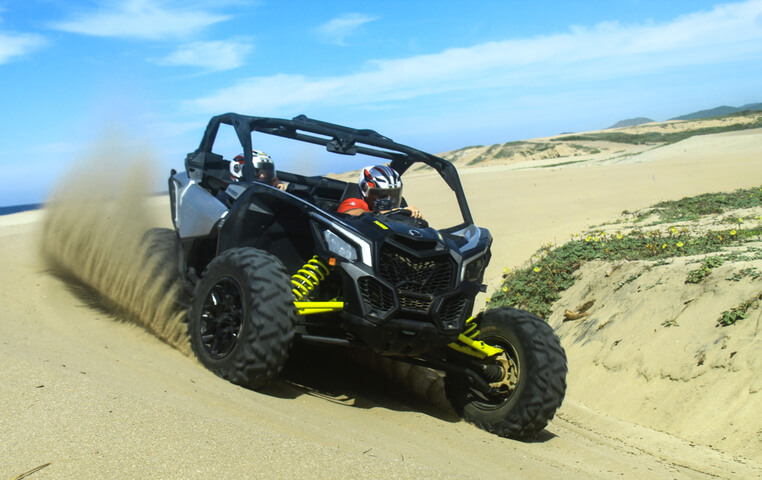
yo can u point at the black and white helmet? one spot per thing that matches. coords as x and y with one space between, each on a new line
381 186
264 167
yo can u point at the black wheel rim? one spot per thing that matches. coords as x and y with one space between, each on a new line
497 400
222 318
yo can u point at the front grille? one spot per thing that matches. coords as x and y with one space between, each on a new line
420 275
376 294
452 309
415 304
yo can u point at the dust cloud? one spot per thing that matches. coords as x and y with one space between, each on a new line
91 239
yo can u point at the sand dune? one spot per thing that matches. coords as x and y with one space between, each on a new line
96 397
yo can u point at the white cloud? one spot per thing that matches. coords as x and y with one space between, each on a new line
606 51
336 30
144 19
18 44
216 55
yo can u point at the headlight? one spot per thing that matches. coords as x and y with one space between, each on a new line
339 246
342 241
473 271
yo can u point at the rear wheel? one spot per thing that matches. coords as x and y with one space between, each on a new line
241 320
527 382
162 251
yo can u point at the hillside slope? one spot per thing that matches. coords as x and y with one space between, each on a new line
676 337
719 111
610 145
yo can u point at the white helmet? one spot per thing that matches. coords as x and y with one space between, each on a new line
381 186
263 166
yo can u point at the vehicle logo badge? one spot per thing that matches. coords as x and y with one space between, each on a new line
415 233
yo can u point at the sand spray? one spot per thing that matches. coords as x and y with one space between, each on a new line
92 230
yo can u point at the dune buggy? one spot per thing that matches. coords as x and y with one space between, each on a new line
264 268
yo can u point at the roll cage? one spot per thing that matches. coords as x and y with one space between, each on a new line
336 139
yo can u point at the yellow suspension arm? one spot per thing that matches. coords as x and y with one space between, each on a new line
468 344
308 308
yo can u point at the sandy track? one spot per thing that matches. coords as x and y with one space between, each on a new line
97 398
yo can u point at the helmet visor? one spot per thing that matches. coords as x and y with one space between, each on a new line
265 171
383 199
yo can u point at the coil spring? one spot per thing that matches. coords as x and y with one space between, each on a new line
472 329
308 277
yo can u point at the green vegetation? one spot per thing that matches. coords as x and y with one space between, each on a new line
477 159
525 148
691 208
538 286
511 149
559 164
485 155
695 276
516 143
730 317
652 138
750 272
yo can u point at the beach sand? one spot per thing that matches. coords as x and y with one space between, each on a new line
91 396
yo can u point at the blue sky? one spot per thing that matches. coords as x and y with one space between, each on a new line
432 74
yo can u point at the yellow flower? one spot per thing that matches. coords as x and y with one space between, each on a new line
740 220
664 246
732 232
673 229
505 289
588 238
488 299
507 270
680 244
536 269
619 235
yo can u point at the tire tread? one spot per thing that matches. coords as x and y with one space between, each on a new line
268 325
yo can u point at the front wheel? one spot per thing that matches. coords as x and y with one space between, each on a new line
527 383
241 320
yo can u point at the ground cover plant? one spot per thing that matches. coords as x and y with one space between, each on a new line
539 284
691 208
695 276
650 138
729 317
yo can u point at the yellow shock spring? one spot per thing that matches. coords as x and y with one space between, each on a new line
308 277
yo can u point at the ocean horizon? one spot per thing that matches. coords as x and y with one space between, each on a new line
11 209
19 208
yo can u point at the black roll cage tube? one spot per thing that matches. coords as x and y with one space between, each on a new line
336 139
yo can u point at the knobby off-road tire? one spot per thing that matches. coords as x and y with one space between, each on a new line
541 364
163 253
241 320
